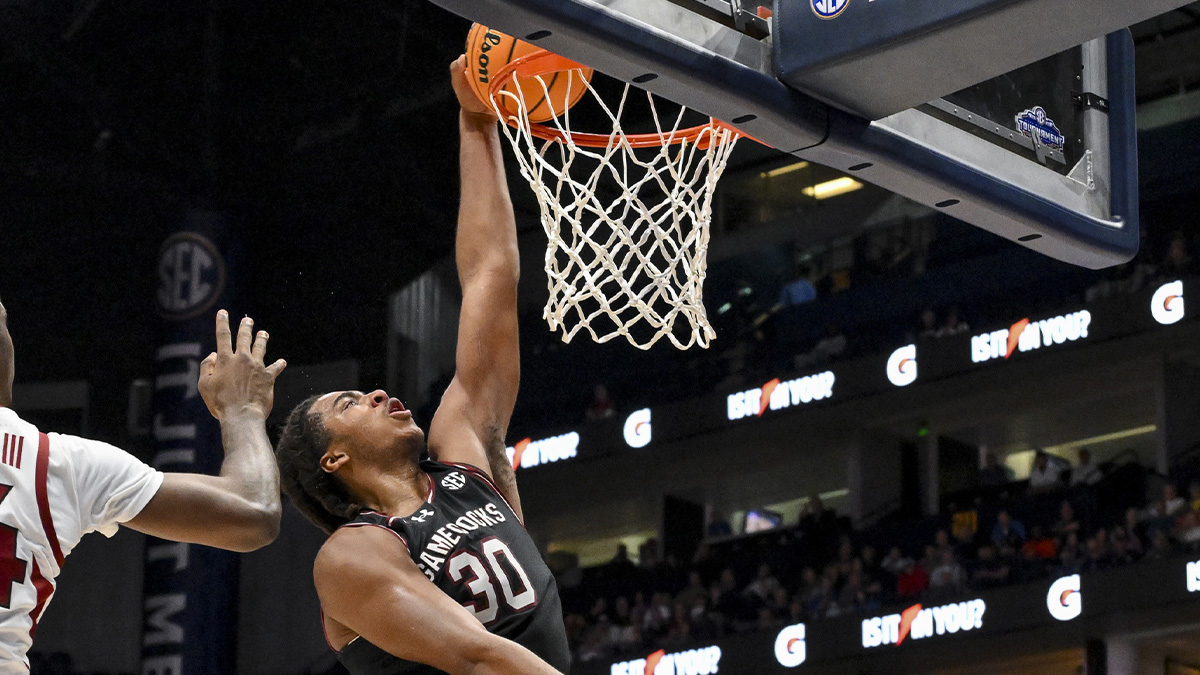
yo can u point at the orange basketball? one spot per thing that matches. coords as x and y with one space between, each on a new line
488 51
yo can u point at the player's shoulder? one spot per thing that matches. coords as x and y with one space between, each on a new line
11 423
357 547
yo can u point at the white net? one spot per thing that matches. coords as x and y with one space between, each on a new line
628 227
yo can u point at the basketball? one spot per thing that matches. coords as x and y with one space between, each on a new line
488 51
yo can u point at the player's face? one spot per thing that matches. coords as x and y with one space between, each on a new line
369 426
7 366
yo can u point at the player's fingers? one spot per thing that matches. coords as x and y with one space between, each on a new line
245 330
224 340
276 368
260 345
209 364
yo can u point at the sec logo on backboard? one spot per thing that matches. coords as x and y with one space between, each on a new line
829 9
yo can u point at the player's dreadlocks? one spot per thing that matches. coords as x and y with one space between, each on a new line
318 495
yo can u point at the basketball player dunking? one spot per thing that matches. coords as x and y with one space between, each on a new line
429 568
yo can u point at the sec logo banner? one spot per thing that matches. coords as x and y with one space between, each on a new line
829 9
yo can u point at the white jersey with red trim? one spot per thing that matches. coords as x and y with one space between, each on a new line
54 489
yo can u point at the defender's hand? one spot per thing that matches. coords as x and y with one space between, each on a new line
467 98
234 382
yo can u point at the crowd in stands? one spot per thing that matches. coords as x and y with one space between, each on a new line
829 306
1064 522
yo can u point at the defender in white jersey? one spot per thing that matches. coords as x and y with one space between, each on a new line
55 488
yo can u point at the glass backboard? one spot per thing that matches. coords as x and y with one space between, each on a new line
1044 155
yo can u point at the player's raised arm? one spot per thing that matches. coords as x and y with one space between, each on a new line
239 508
393 606
471 423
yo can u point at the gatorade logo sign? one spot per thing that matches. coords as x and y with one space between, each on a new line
777 395
1064 600
790 650
704 661
637 429
1193 577
902 366
1167 304
1027 336
529 452
919 623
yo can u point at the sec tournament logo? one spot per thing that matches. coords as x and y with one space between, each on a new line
191 276
829 9
454 481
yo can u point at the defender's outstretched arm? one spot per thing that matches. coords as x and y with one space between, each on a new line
239 508
472 421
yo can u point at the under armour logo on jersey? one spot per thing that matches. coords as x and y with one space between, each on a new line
421 516
454 481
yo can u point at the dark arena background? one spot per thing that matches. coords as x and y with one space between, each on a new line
914 447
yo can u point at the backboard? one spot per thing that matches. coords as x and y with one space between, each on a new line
893 92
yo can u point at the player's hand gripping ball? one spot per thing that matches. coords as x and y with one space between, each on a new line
544 96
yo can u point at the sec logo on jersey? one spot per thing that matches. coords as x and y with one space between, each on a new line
829 9
454 481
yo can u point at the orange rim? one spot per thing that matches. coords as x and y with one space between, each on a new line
542 62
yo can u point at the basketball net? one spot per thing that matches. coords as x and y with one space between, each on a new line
627 216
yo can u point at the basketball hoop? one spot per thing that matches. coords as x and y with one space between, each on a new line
633 264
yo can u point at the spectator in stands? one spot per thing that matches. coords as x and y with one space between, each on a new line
1046 474
1100 554
1086 473
1160 546
601 407
1041 546
953 325
1069 561
1165 508
1172 501
912 580
891 566
927 328
1008 532
1067 522
1134 527
695 589
949 576
1194 495
931 559
817 520
764 585
1127 546
988 570
799 291
993 472
1178 260
1187 530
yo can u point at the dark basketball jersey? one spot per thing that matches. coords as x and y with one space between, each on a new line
468 541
